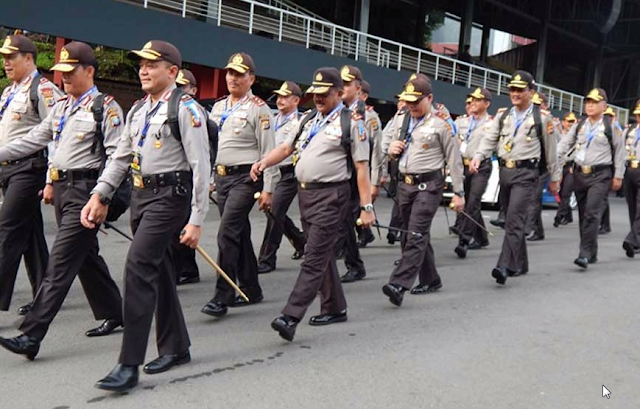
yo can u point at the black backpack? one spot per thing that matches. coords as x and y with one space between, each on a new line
537 125
122 196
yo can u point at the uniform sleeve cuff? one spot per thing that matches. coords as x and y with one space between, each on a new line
196 218
104 189
458 185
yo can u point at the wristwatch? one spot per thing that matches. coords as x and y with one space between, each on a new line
459 193
103 199
367 208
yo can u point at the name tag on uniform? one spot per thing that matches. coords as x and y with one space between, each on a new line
463 147
241 115
20 97
84 116
580 155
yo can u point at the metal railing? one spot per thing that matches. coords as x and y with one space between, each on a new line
288 26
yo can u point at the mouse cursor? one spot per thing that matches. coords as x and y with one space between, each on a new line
606 392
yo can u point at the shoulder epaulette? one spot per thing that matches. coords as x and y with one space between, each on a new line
462 116
439 106
307 112
501 110
442 115
186 98
369 107
401 112
356 116
62 98
222 98
490 117
545 112
258 101
108 99
43 80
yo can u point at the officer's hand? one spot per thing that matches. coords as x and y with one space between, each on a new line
366 219
554 187
93 213
474 165
264 201
396 148
375 190
212 187
190 235
47 194
256 170
616 184
383 180
457 204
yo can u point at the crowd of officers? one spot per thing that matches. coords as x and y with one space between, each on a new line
335 158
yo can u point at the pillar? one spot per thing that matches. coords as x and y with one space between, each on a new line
466 25
211 81
486 38
541 58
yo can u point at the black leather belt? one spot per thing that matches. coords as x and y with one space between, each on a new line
417 178
161 179
588 169
60 175
525 163
633 164
223 170
37 155
320 185
287 169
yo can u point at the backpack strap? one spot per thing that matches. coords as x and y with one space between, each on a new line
98 116
172 110
308 117
33 92
404 128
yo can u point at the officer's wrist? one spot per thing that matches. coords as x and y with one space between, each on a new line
367 207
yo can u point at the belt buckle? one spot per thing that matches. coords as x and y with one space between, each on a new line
587 170
54 174
408 180
4 163
422 187
138 182
466 161
635 164
510 164
221 170
303 185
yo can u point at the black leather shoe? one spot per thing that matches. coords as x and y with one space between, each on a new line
533 236
165 362
364 241
339 254
353 275
106 328
604 230
215 309
461 250
188 280
498 222
328 319
556 222
241 302
566 221
630 251
394 292
120 379
392 237
265 268
24 310
516 273
297 255
593 260
425 289
23 345
474 245
286 326
500 274
581 262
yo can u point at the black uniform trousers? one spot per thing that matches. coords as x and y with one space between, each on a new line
323 212
632 196
21 228
517 190
184 260
348 239
74 253
605 222
235 250
475 185
157 218
566 189
417 209
283 195
534 213
591 191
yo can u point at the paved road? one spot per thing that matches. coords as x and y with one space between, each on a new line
550 339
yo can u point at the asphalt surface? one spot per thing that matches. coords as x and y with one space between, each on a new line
550 339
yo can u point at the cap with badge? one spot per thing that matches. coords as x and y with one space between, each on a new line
73 55
570 117
597 95
636 110
419 75
241 62
157 50
415 90
186 77
480 93
324 79
366 87
521 79
17 43
539 98
349 73
288 88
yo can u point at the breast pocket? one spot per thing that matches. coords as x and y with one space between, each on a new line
428 140
19 107
332 136
83 128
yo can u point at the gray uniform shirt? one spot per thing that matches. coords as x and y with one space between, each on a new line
73 145
469 137
284 127
324 160
19 116
161 152
246 136
632 140
523 144
374 132
598 152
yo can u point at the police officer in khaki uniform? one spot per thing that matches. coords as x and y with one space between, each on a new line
170 177
564 215
422 145
521 135
605 222
631 244
285 123
471 130
392 166
246 134
599 167
323 170
21 109
73 172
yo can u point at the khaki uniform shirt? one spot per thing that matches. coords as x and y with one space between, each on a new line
284 127
161 152
632 139
469 137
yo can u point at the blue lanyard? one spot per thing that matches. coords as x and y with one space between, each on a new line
591 132
412 125
227 112
64 117
147 123
280 124
472 126
316 127
520 121
13 94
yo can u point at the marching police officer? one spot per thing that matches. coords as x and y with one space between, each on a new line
328 158
285 123
246 134
599 166
631 244
471 130
422 144
170 175
605 223
523 136
73 171
564 215
23 105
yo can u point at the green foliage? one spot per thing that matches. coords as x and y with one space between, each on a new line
434 20
115 65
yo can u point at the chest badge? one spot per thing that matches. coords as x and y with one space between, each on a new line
157 144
